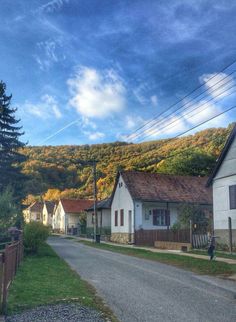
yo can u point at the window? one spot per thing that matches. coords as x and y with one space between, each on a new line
38 217
122 217
120 184
232 197
159 217
116 218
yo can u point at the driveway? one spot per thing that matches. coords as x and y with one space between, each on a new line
142 290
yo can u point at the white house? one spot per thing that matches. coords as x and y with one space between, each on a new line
149 201
223 180
66 217
103 218
47 212
33 212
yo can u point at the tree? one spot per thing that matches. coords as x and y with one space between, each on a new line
10 158
9 212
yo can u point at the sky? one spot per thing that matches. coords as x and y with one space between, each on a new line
94 71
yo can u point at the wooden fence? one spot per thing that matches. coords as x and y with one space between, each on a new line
10 260
148 237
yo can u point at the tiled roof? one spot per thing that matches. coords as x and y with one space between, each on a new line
50 206
168 188
36 206
75 206
102 204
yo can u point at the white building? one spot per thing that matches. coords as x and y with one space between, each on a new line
66 217
150 201
33 212
47 212
223 180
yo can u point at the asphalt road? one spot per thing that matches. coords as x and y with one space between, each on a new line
142 290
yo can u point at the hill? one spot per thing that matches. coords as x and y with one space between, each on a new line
53 171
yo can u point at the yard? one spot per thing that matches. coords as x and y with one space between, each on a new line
46 279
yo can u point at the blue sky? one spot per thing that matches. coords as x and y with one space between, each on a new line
92 71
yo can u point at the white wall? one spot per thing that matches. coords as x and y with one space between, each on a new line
221 206
47 218
58 221
148 224
122 200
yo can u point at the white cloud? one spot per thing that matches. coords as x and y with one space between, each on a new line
154 100
94 135
52 6
97 94
218 85
133 121
46 108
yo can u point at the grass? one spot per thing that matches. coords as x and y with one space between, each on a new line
217 253
200 266
47 279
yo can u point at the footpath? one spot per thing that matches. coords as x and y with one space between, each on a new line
156 250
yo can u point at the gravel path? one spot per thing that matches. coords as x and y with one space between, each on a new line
139 290
59 313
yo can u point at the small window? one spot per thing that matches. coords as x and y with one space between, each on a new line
120 184
159 217
232 197
38 217
122 217
116 218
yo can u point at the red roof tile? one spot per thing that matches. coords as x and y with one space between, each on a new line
167 188
75 206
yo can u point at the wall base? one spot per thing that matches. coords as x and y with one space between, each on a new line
172 245
223 236
122 238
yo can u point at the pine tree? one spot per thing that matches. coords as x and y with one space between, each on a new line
10 158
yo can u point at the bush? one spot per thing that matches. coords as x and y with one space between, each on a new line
35 233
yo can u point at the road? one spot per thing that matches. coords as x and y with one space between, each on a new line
146 291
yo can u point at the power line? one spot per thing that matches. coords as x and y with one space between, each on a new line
172 105
187 105
182 116
192 128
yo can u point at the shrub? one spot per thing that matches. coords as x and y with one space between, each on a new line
35 233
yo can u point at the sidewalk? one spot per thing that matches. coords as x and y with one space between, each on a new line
156 250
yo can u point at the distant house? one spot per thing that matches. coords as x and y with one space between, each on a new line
34 212
47 212
103 217
150 201
66 217
223 180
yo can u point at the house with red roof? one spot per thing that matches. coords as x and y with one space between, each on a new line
47 212
223 181
144 201
67 215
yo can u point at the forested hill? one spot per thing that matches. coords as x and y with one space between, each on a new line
52 167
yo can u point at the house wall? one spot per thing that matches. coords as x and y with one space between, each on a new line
148 223
122 200
47 218
106 218
225 177
58 221
221 208
72 220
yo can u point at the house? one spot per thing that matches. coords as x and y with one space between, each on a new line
33 212
103 218
66 217
47 212
223 180
149 201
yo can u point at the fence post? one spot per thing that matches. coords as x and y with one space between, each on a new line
230 235
191 232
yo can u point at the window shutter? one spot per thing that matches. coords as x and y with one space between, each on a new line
116 218
122 217
167 214
232 197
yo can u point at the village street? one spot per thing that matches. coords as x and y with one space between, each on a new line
141 290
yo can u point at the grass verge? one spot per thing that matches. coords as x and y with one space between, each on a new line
200 266
47 279
217 253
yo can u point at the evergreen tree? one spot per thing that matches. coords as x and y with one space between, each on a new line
10 158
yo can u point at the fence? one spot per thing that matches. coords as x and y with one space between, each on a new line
10 260
200 240
148 237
